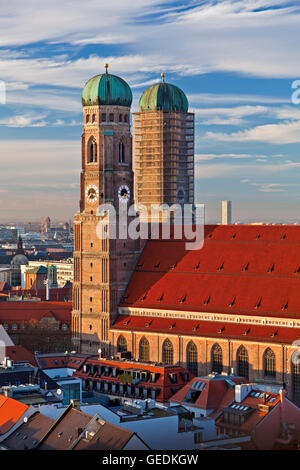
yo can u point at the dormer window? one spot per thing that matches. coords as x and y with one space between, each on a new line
245 268
197 265
157 265
285 306
183 299
143 297
160 298
257 237
258 304
232 302
221 267
206 302
246 332
271 269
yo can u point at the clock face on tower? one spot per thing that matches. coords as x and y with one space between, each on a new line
92 193
124 193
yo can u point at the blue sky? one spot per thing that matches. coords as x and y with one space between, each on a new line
236 60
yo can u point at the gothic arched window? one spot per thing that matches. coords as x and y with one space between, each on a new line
217 359
242 362
121 344
269 363
121 152
167 352
144 350
92 151
192 358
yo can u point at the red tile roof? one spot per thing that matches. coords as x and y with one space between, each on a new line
20 354
10 412
212 394
245 270
257 413
54 361
201 328
162 383
21 312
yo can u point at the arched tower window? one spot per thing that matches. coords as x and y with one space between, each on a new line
144 350
242 362
192 358
269 363
121 152
121 344
167 352
125 118
93 117
217 359
87 118
92 151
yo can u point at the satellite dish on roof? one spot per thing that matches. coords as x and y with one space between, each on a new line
25 419
58 391
73 352
99 351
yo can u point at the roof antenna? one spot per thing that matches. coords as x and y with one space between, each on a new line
106 68
163 77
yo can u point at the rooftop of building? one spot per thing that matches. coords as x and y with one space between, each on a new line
240 270
207 392
10 412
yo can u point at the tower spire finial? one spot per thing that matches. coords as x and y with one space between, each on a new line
106 68
163 77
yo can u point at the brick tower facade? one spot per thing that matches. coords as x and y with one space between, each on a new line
163 147
102 267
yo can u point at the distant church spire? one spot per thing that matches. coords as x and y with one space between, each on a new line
20 250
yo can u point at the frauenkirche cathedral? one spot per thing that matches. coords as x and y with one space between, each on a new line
232 306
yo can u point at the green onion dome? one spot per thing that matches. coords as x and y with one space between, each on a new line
106 90
163 96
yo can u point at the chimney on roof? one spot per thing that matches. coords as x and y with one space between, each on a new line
241 391
75 402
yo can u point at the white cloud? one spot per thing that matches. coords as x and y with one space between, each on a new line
25 120
282 133
228 116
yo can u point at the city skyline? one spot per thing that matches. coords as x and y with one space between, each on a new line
238 80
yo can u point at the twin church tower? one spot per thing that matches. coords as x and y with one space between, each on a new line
154 166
